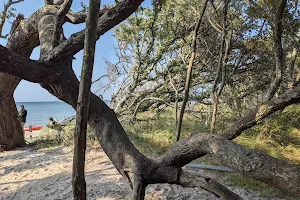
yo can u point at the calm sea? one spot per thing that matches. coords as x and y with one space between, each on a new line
39 112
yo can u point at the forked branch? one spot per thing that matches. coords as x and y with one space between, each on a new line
108 20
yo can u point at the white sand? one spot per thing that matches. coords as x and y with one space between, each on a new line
26 173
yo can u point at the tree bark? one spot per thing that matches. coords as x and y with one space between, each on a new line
252 163
11 133
188 179
214 113
79 184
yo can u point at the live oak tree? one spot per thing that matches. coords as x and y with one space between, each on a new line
53 71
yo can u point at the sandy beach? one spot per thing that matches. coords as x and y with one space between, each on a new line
27 173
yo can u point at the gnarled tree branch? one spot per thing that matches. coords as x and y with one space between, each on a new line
25 68
257 115
108 20
252 163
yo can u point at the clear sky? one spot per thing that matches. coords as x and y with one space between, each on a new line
26 91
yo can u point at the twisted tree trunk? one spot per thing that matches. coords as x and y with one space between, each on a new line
11 133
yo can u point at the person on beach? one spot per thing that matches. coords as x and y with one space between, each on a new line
22 116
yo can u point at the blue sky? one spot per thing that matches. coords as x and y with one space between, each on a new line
26 91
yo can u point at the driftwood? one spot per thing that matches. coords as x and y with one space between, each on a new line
59 126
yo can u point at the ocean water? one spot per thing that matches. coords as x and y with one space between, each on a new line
38 113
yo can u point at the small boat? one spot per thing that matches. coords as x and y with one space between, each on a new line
34 128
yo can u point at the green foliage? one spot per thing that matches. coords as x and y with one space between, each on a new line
155 136
154 44
49 137
279 136
45 144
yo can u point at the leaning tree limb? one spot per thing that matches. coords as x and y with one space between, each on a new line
78 179
34 71
252 163
189 72
257 115
147 99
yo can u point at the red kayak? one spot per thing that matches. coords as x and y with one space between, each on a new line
34 128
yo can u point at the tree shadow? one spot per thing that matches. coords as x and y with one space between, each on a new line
27 156
34 179
59 186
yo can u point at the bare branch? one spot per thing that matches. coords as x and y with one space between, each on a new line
99 79
221 71
111 18
80 17
148 99
215 26
4 15
189 71
60 16
260 113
